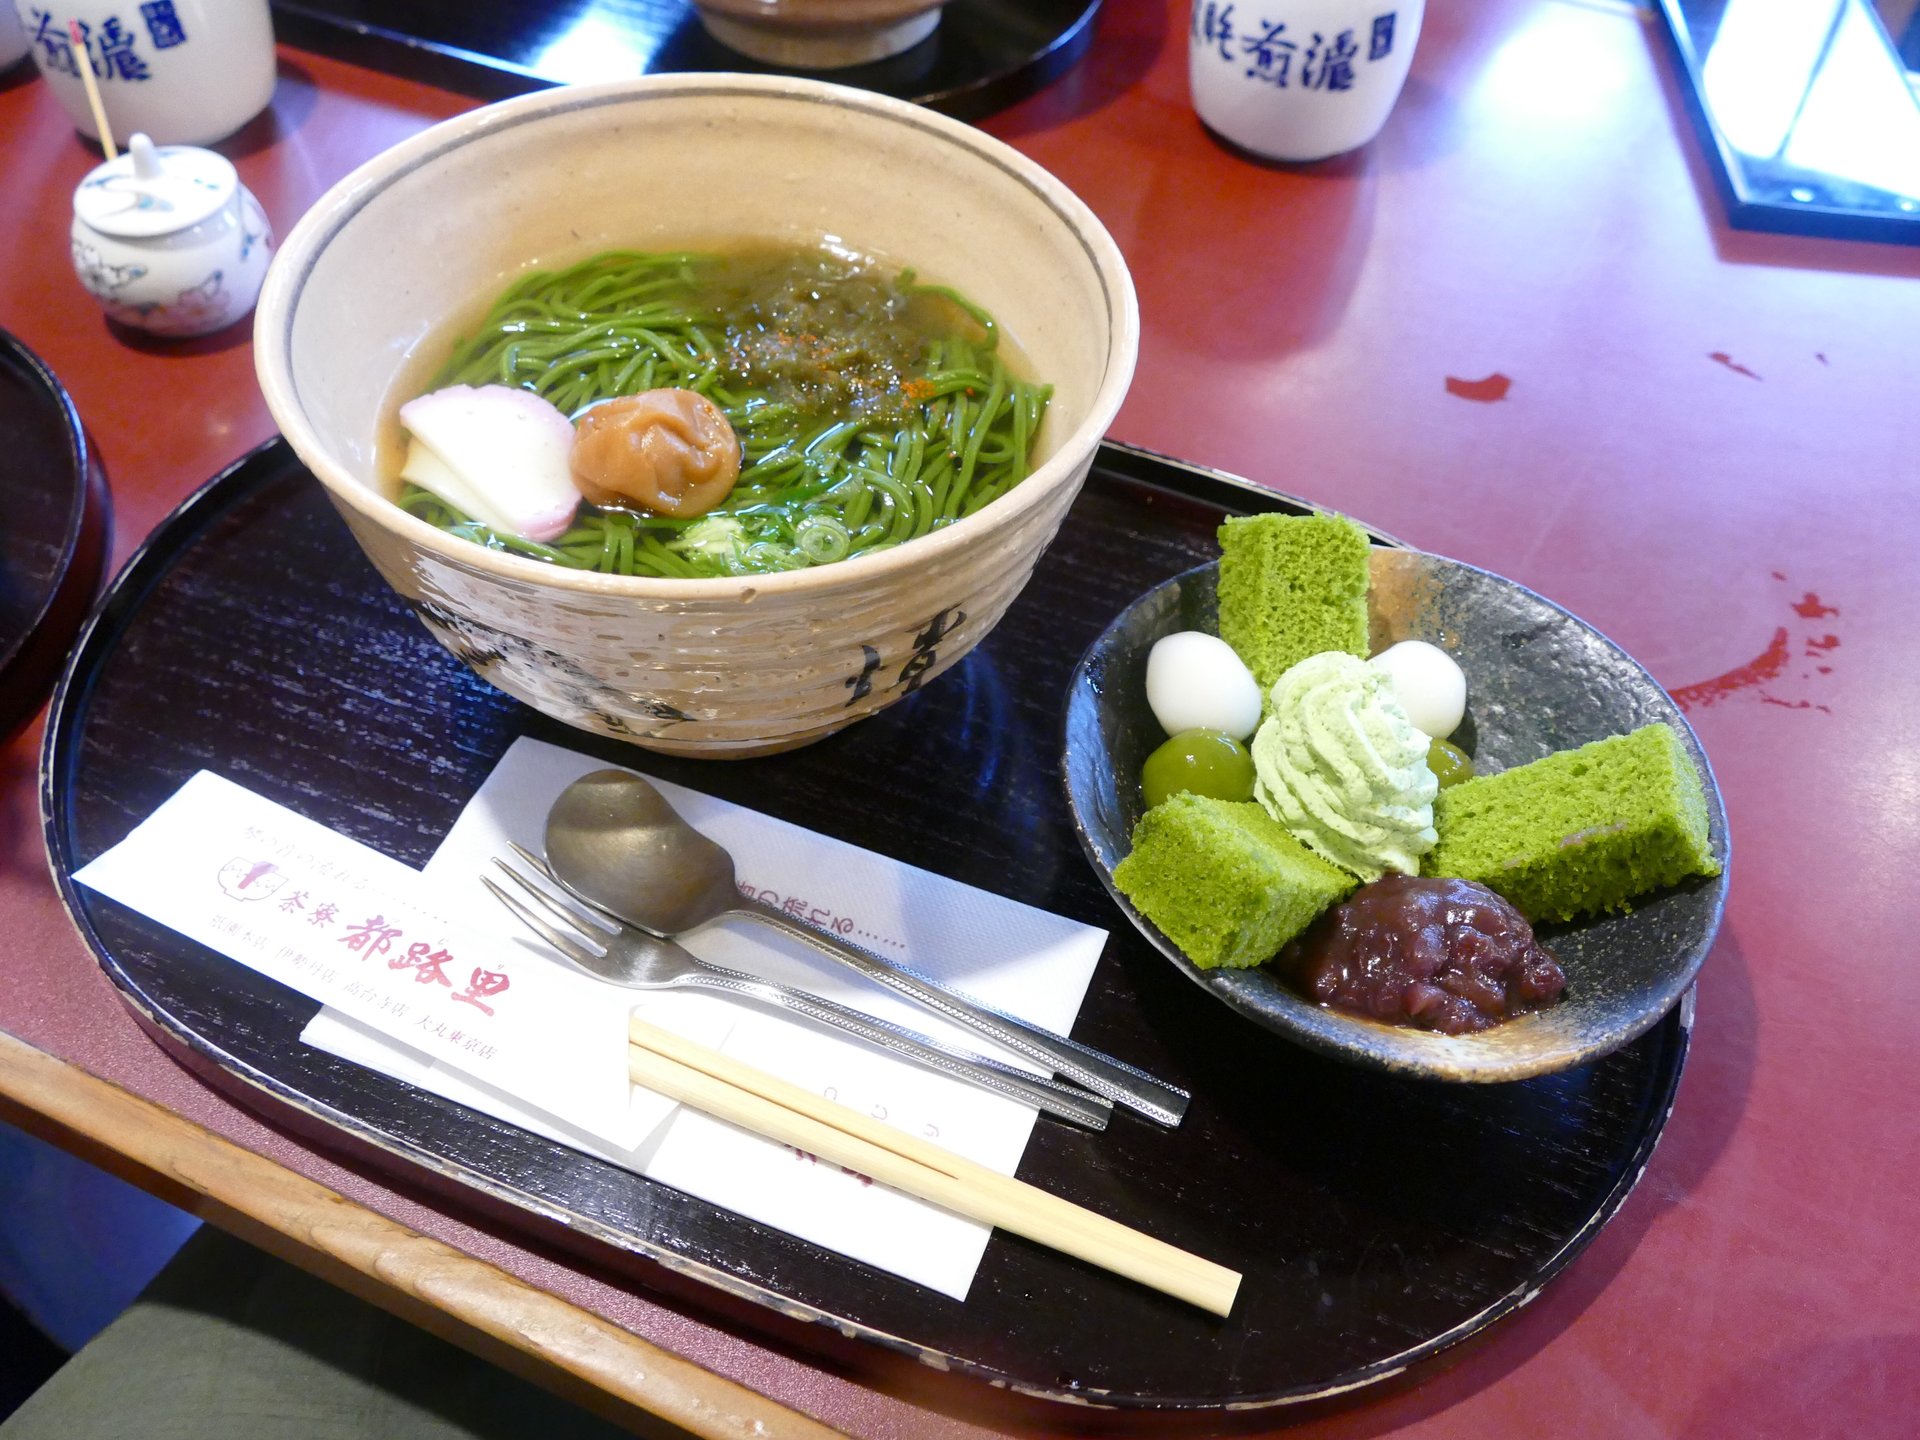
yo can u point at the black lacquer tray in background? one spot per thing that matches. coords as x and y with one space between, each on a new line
983 55
55 524
1377 1220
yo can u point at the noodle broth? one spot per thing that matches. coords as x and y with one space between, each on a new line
870 409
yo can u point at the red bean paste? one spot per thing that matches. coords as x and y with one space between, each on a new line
1434 954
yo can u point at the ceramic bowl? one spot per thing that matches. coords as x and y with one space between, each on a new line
426 233
186 72
1319 83
13 38
819 34
1538 680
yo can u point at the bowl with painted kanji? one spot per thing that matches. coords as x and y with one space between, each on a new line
722 634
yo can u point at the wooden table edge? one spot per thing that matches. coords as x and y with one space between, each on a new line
468 1302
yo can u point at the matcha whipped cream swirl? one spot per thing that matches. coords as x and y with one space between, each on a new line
1338 764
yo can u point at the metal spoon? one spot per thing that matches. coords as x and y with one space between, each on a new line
613 840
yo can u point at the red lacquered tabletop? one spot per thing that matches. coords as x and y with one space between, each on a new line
1705 445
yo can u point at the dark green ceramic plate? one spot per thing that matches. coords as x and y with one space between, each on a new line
1538 680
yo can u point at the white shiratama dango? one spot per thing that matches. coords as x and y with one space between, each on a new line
1196 682
1430 685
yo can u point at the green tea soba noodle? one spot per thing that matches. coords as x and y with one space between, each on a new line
870 409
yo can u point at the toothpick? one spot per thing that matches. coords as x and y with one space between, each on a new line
93 89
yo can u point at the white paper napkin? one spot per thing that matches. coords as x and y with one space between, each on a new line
1008 955
364 934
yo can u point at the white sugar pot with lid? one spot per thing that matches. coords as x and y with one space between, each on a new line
167 239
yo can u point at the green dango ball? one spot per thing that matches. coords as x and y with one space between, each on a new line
1449 763
1203 761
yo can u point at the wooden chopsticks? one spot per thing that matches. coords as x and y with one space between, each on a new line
767 1105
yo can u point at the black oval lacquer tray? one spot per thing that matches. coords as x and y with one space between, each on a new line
984 54
1377 1220
55 519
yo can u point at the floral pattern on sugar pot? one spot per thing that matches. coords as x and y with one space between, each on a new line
168 240
1299 80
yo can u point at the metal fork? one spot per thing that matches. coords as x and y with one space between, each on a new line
611 949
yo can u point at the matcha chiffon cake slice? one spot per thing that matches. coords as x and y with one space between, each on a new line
1223 880
1292 586
1580 831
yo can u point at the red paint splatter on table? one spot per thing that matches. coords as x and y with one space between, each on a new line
1811 607
1721 357
1486 391
1771 664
